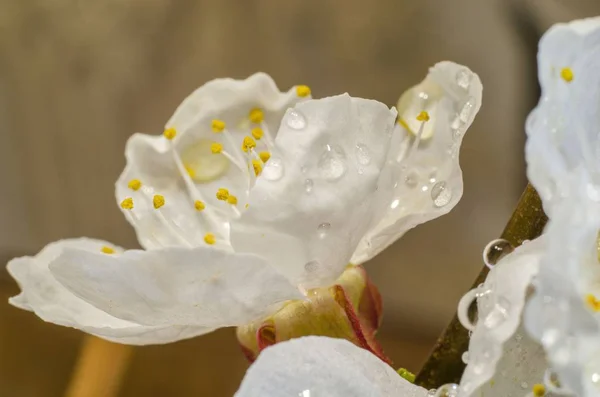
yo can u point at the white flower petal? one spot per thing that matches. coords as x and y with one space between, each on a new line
562 130
45 296
427 183
316 198
196 173
500 302
203 286
559 314
319 366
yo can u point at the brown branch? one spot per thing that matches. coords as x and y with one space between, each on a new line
444 364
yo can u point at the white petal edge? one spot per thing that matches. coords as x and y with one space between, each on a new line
319 366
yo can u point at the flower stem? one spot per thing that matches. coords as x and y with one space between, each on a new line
444 364
100 369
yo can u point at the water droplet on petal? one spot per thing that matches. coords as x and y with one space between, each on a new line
395 204
431 392
295 119
311 267
432 176
498 314
496 250
447 390
465 357
524 385
441 194
363 155
323 230
411 179
308 185
332 163
273 169
466 111
463 79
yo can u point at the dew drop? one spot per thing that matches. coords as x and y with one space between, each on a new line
524 385
411 179
295 119
323 230
432 392
395 204
465 357
466 110
498 314
432 176
308 185
447 390
496 250
463 79
311 267
332 163
273 169
441 194
363 154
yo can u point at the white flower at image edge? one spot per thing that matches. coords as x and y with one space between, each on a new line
251 197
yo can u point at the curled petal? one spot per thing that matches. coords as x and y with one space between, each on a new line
203 287
48 299
321 366
423 179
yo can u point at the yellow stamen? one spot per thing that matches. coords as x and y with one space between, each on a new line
302 91
592 302
567 74
256 115
423 116
199 205
216 147
107 250
257 133
264 156
247 205
134 184
222 194
232 199
158 201
538 390
170 133
257 165
248 144
127 204
406 374
209 238
218 125
190 171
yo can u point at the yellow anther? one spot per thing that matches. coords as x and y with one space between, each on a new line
199 205
134 184
302 90
209 238
256 115
257 133
158 201
170 133
216 147
257 165
218 125
222 194
247 205
127 204
538 390
423 116
406 374
264 156
232 199
593 302
567 74
107 250
248 144
190 171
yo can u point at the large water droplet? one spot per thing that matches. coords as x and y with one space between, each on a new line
311 267
323 230
496 250
411 179
463 79
332 163
308 185
465 357
447 390
295 119
273 169
466 111
441 194
363 154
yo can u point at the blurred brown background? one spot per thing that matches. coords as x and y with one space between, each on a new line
77 77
